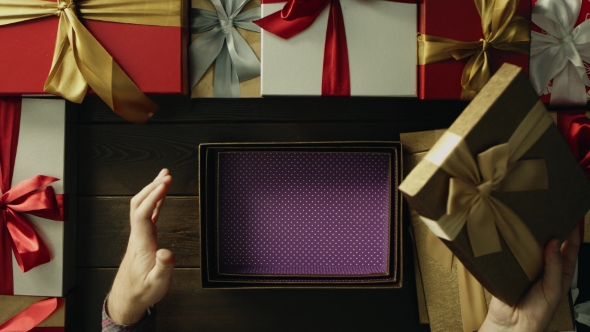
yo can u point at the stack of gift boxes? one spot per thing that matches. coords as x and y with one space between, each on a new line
344 230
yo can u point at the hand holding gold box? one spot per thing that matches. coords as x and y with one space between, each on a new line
526 184
449 298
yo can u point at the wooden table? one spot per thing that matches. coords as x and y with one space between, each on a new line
116 159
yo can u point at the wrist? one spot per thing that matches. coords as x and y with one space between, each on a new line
123 310
489 325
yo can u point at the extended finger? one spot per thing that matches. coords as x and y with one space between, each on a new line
138 199
553 273
159 204
569 252
146 209
142 228
162 173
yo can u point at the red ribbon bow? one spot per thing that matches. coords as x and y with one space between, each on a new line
575 128
298 15
33 196
29 318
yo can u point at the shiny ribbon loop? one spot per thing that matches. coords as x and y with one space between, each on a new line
577 135
471 293
560 54
298 15
575 128
235 61
29 318
502 30
33 196
470 200
294 10
79 60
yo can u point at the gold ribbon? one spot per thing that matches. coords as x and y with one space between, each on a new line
471 293
79 60
498 169
501 30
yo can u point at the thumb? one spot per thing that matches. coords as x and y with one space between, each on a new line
553 273
162 271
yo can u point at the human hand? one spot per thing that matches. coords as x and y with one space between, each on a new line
537 307
145 272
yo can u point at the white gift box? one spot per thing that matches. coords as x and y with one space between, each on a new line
381 39
45 127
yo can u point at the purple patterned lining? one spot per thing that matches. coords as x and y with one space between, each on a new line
304 213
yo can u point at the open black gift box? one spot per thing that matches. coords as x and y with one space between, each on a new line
300 215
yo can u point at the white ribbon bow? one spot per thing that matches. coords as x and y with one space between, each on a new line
560 54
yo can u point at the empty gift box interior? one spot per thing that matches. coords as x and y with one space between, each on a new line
318 213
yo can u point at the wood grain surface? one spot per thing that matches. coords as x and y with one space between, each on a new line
120 159
178 109
189 308
117 159
105 230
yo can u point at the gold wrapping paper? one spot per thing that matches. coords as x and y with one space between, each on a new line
12 305
441 290
491 119
249 88
439 286
422 309
499 169
80 61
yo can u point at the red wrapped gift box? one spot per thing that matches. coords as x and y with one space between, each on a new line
459 20
584 16
154 57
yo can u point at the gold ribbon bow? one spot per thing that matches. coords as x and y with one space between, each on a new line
79 60
501 30
471 293
498 169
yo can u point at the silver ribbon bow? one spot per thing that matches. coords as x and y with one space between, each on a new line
234 60
560 54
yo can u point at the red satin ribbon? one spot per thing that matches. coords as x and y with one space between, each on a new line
33 196
575 127
27 319
298 15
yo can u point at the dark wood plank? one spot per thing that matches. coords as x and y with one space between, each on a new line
104 230
189 308
119 160
181 109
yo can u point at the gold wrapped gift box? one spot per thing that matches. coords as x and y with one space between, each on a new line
495 184
437 287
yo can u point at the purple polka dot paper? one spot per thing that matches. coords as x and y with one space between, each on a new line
304 213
